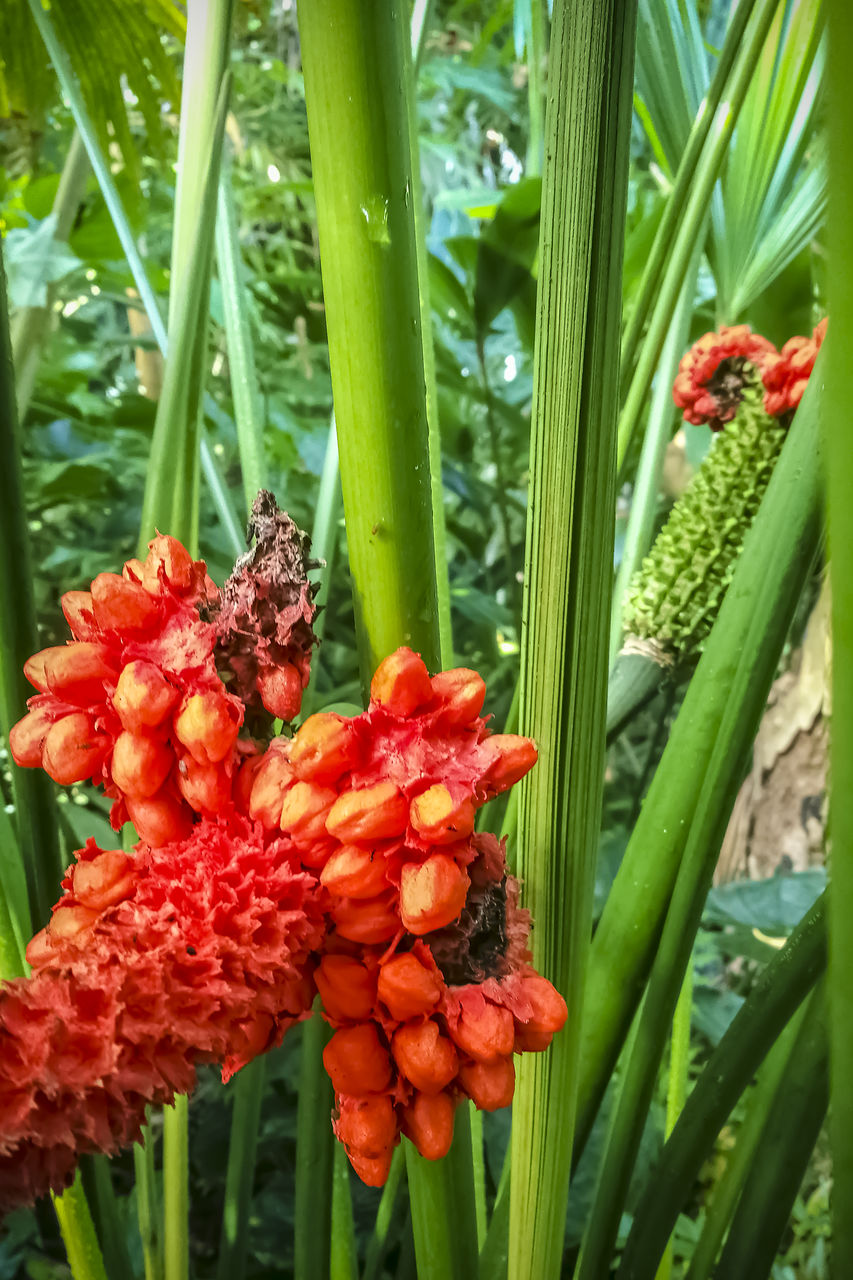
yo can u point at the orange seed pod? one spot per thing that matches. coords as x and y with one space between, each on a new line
366 920
72 749
461 693
347 988
351 872
324 748
120 605
424 1056
484 1031
432 893
437 817
26 738
401 683
140 763
379 812
428 1123
104 880
207 725
281 690
143 696
356 1061
366 1126
159 819
407 987
489 1085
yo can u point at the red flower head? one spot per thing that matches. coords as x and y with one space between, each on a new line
786 375
151 964
711 376
427 1022
136 700
383 804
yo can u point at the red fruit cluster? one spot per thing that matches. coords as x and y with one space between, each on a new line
383 804
409 1045
135 700
711 375
152 963
786 375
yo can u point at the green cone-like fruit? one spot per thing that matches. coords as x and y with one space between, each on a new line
674 597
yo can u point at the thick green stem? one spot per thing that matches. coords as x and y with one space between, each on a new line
567 577
314 1157
691 795
840 479
176 1191
148 1209
536 41
343 1256
676 1093
78 1234
389 1207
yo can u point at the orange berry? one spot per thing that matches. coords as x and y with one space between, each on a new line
207 725
77 607
304 810
367 920
104 880
531 1041
324 748
72 749
380 812
169 559
140 763
461 693
440 819
205 787
159 819
373 1170
351 872
281 690
40 949
512 757
347 988
272 778
549 1008
407 987
120 605
356 1061
69 922
484 1031
428 1123
74 672
432 893
489 1085
143 696
366 1126
401 683
244 780
424 1056
26 738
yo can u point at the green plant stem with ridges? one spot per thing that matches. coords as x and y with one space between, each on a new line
675 596
684 179
242 1149
148 1208
388 1208
691 795
536 51
787 1141
109 1221
840 487
676 1093
343 1256
688 219
32 324
109 190
355 58
176 1199
567 580
314 1157
728 1187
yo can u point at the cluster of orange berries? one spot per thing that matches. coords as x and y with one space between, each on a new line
712 374
403 917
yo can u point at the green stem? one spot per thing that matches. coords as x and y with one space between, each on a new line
676 1094
689 217
389 1208
242 1148
109 1222
32 324
840 476
315 1142
567 580
343 1258
78 1233
787 1141
176 1199
690 798
148 1207
478 1153
780 990
728 1188
248 409
35 815
536 50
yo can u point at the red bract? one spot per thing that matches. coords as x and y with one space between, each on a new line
152 964
786 375
383 804
427 1022
712 374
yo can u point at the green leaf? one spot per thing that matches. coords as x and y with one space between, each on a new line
35 259
774 905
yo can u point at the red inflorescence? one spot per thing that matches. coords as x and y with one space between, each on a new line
786 375
711 375
383 804
152 963
427 1022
